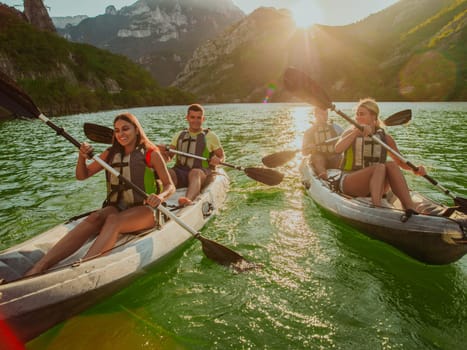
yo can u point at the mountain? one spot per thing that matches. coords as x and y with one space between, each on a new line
37 15
65 78
160 35
413 50
63 22
239 65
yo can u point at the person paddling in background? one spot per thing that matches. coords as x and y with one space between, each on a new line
190 172
365 170
125 210
323 155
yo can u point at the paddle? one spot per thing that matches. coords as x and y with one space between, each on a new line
103 134
297 81
280 158
17 101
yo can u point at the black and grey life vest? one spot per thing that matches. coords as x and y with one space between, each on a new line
320 135
136 168
364 152
196 146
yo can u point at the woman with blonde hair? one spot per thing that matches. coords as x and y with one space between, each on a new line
125 210
365 169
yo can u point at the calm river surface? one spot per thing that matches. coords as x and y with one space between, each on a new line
323 284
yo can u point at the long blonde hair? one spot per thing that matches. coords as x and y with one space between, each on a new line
141 138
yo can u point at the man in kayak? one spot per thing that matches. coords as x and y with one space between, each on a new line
319 141
190 172
125 210
365 170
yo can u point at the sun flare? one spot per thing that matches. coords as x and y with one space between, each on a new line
307 13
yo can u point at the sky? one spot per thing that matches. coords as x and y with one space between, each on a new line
306 12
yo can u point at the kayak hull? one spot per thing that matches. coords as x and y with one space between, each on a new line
32 305
428 238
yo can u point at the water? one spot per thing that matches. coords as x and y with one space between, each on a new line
324 285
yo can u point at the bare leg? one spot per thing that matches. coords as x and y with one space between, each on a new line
173 176
130 220
399 185
366 181
377 184
196 179
319 164
335 162
73 240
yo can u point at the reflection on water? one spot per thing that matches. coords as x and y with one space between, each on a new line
322 285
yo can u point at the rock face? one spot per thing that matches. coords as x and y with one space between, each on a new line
63 22
67 78
413 50
37 15
240 65
161 35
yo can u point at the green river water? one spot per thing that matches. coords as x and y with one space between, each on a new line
323 285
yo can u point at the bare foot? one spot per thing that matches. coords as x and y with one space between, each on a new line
184 201
32 271
323 175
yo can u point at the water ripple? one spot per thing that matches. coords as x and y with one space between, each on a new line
323 284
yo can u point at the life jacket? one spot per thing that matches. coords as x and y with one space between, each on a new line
364 152
320 135
135 167
196 146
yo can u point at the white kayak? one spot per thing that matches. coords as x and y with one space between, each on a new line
436 237
32 305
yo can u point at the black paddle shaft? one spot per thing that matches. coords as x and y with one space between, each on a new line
299 82
213 250
17 101
409 163
103 134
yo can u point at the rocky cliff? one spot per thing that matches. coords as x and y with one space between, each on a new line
244 61
65 78
161 35
37 15
63 22
413 50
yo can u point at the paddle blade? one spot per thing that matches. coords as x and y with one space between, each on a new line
277 159
461 203
266 176
98 133
224 256
303 86
399 118
15 100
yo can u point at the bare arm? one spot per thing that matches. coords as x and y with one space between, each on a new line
348 137
159 165
392 143
346 140
83 171
307 142
218 157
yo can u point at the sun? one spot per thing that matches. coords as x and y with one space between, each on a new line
306 13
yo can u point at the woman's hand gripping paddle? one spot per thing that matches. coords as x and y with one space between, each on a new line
14 99
305 87
282 157
103 134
